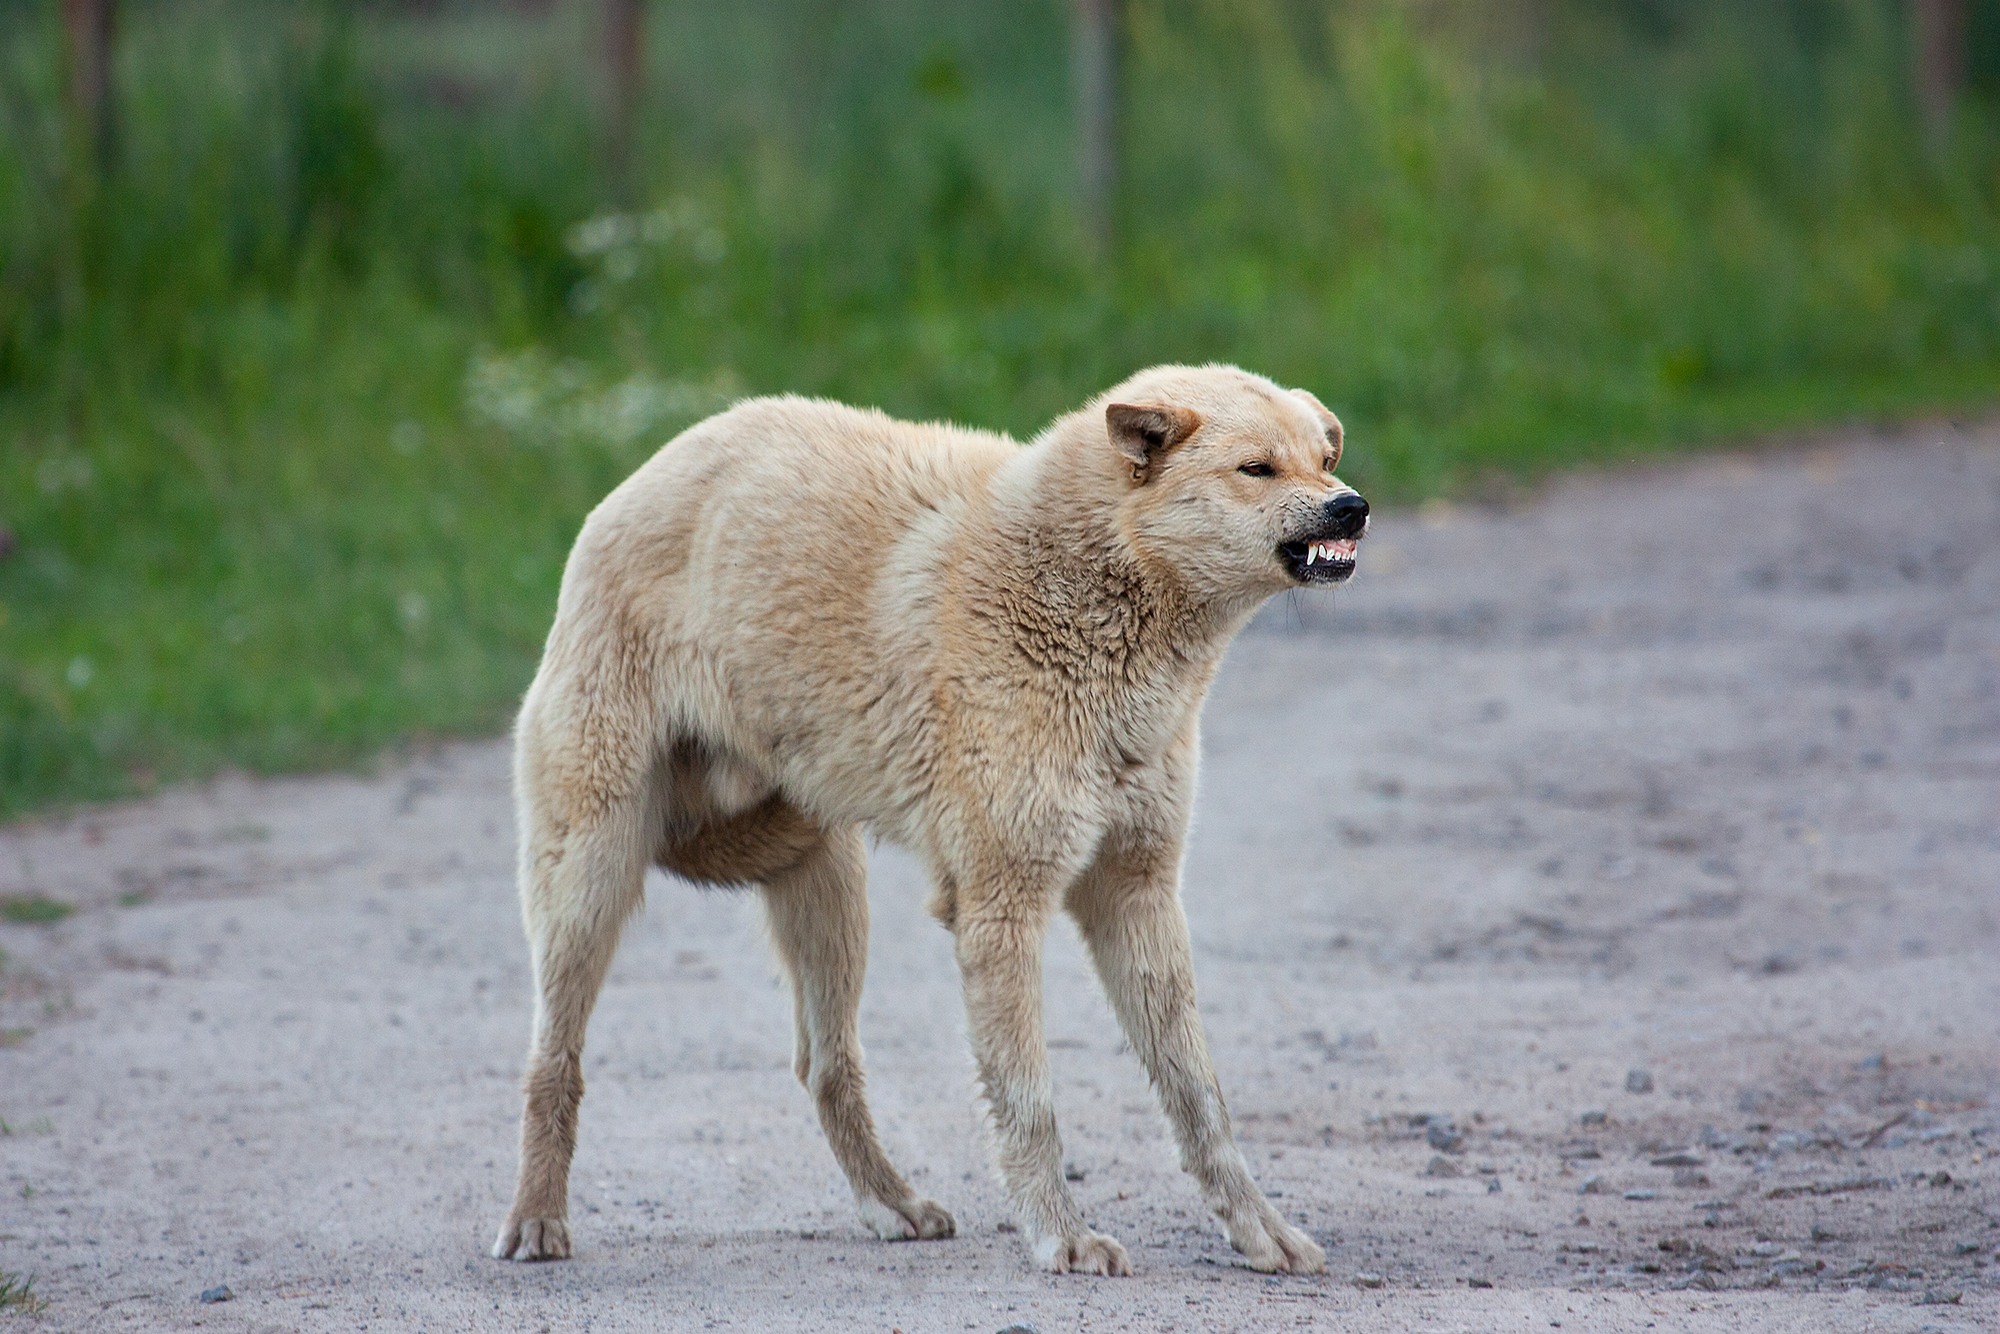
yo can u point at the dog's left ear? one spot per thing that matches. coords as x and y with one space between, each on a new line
1327 420
1145 431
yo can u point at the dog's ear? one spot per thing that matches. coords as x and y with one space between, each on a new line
1145 431
1326 419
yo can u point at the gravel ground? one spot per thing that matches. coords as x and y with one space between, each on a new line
1597 909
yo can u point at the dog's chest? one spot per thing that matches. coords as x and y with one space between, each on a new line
1135 740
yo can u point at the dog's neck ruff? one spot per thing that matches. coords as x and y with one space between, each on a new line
1076 595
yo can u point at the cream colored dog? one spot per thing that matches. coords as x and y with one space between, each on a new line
798 621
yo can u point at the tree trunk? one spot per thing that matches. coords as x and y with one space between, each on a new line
1940 60
89 25
625 73
1094 70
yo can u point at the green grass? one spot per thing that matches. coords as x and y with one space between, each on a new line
32 909
301 405
17 1294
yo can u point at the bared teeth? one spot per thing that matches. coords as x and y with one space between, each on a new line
1329 552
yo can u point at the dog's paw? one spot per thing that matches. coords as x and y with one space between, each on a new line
1087 1253
912 1220
533 1239
1272 1245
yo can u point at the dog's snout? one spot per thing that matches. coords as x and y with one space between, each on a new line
1348 513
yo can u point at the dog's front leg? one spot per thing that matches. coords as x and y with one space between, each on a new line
1128 908
999 948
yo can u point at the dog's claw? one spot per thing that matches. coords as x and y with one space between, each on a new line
1273 1246
913 1220
932 1220
533 1239
1091 1253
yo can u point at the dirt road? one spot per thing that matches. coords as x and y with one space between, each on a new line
1597 911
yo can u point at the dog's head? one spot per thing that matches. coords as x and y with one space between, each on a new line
1230 480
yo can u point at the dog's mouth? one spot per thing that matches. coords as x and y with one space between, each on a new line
1325 560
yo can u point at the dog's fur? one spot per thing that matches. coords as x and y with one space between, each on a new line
799 620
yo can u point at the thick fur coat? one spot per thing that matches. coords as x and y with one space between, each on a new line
799 621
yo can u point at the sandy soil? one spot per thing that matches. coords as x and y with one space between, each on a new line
1693 772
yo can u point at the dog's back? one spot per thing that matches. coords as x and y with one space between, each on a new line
746 583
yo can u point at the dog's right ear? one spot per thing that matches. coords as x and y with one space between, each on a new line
1144 432
1331 423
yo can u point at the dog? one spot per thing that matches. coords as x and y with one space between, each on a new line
799 621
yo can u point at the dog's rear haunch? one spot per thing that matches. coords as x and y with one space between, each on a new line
798 621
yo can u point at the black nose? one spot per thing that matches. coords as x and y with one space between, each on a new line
1348 514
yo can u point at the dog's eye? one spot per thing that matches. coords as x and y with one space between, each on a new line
1257 470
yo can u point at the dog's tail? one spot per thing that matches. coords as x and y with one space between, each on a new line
749 847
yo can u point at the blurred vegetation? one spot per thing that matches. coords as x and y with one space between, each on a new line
303 398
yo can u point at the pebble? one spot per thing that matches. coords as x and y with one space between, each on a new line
1071 1172
1642 1195
1592 1185
1441 1166
1022 1327
1679 1158
1444 1137
1638 1081
1493 1185
1369 1280
1594 1116
219 1293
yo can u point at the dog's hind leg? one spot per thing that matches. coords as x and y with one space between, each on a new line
818 910
580 881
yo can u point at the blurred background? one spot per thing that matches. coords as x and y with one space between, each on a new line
322 325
